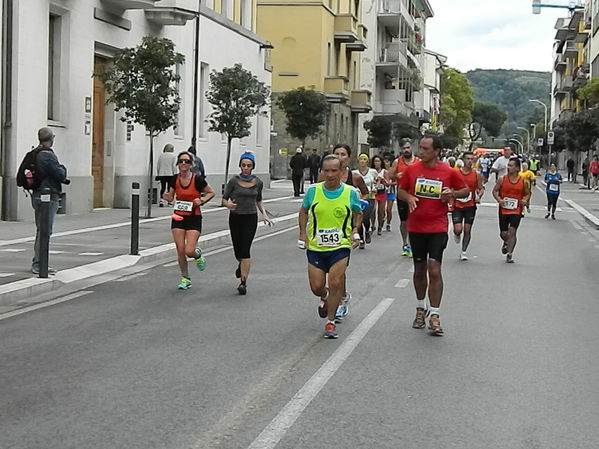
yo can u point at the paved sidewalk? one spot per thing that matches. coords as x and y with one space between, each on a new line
94 244
585 201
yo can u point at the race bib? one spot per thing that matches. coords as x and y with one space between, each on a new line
428 188
465 200
328 237
510 203
554 187
183 206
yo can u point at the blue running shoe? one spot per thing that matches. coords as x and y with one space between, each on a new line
343 309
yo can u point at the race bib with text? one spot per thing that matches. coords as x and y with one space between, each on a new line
183 206
554 187
428 188
510 203
328 237
465 200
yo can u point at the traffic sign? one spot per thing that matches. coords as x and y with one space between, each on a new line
550 137
540 141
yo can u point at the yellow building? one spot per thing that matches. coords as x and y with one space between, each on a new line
317 44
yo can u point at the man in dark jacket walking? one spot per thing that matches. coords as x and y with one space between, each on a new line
52 175
314 162
570 167
298 163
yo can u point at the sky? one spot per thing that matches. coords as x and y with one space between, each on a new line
493 34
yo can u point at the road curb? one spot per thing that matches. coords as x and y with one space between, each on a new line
27 291
589 217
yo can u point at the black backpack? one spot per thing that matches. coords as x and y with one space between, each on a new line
26 175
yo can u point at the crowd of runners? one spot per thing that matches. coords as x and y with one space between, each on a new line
345 207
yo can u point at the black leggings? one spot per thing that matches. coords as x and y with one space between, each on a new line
552 203
366 214
243 229
165 182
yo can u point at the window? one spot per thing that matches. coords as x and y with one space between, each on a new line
246 14
178 128
201 99
54 54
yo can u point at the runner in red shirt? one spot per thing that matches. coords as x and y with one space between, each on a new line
464 209
512 193
427 186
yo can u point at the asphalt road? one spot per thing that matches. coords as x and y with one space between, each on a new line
137 364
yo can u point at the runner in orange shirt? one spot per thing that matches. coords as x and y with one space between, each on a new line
512 193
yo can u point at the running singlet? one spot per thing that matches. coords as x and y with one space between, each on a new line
401 165
427 184
330 219
184 195
528 176
553 183
512 194
471 180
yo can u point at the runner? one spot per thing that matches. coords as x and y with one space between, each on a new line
512 194
186 223
380 197
553 179
464 209
594 171
531 179
426 187
399 167
369 176
243 198
328 220
484 163
391 192
500 164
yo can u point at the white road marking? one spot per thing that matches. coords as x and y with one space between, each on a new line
53 251
402 283
278 427
45 304
6 275
131 276
90 254
13 250
119 225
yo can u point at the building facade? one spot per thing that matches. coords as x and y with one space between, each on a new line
57 46
318 45
395 63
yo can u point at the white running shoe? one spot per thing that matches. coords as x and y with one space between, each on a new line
463 256
457 238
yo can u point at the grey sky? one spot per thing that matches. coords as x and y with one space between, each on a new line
493 34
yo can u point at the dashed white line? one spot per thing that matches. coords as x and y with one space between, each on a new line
43 305
90 254
278 427
6 275
13 250
54 251
402 283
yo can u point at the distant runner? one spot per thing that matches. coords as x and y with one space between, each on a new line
553 179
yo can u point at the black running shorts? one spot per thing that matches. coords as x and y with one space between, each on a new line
466 215
428 246
403 209
509 221
189 223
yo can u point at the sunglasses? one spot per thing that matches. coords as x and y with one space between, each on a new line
184 161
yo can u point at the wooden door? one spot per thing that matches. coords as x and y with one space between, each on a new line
98 134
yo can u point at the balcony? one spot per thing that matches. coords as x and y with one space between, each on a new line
566 83
391 102
571 49
346 28
583 35
388 15
336 88
560 63
169 15
391 57
360 44
389 7
361 101
131 4
559 91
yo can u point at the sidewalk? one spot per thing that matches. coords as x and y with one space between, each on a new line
577 196
88 246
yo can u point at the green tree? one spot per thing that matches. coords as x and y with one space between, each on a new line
142 81
590 92
490 116
579 133
379 131
306 111
236 95
456 102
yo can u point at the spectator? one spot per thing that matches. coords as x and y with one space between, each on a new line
594 169
198 165
166 170
52 175
298 163
570 167
585 171
314 163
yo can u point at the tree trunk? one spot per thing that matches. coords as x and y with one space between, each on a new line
150 172
229 139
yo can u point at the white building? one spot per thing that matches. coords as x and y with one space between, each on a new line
393 66
104 155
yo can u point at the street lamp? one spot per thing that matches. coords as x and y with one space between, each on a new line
528 134
512 139
534 130
550 125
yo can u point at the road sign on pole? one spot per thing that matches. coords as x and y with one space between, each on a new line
540 141
550 137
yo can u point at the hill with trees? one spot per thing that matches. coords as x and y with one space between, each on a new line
511 89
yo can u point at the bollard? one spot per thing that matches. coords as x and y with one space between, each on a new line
134 219
44 232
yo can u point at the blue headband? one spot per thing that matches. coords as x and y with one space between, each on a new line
248 156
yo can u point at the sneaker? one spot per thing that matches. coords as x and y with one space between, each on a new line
419 320
409 252
379 231
509 259
343 309
504 248
434 325
368 237
330 331
547 215
184 284
463 256
552 217
388 228
323 308
405 251
362 245
238 272
242 288
200 261
35 269
457 238
528 209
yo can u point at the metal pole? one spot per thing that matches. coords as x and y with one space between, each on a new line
134 219
196 69
44 232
